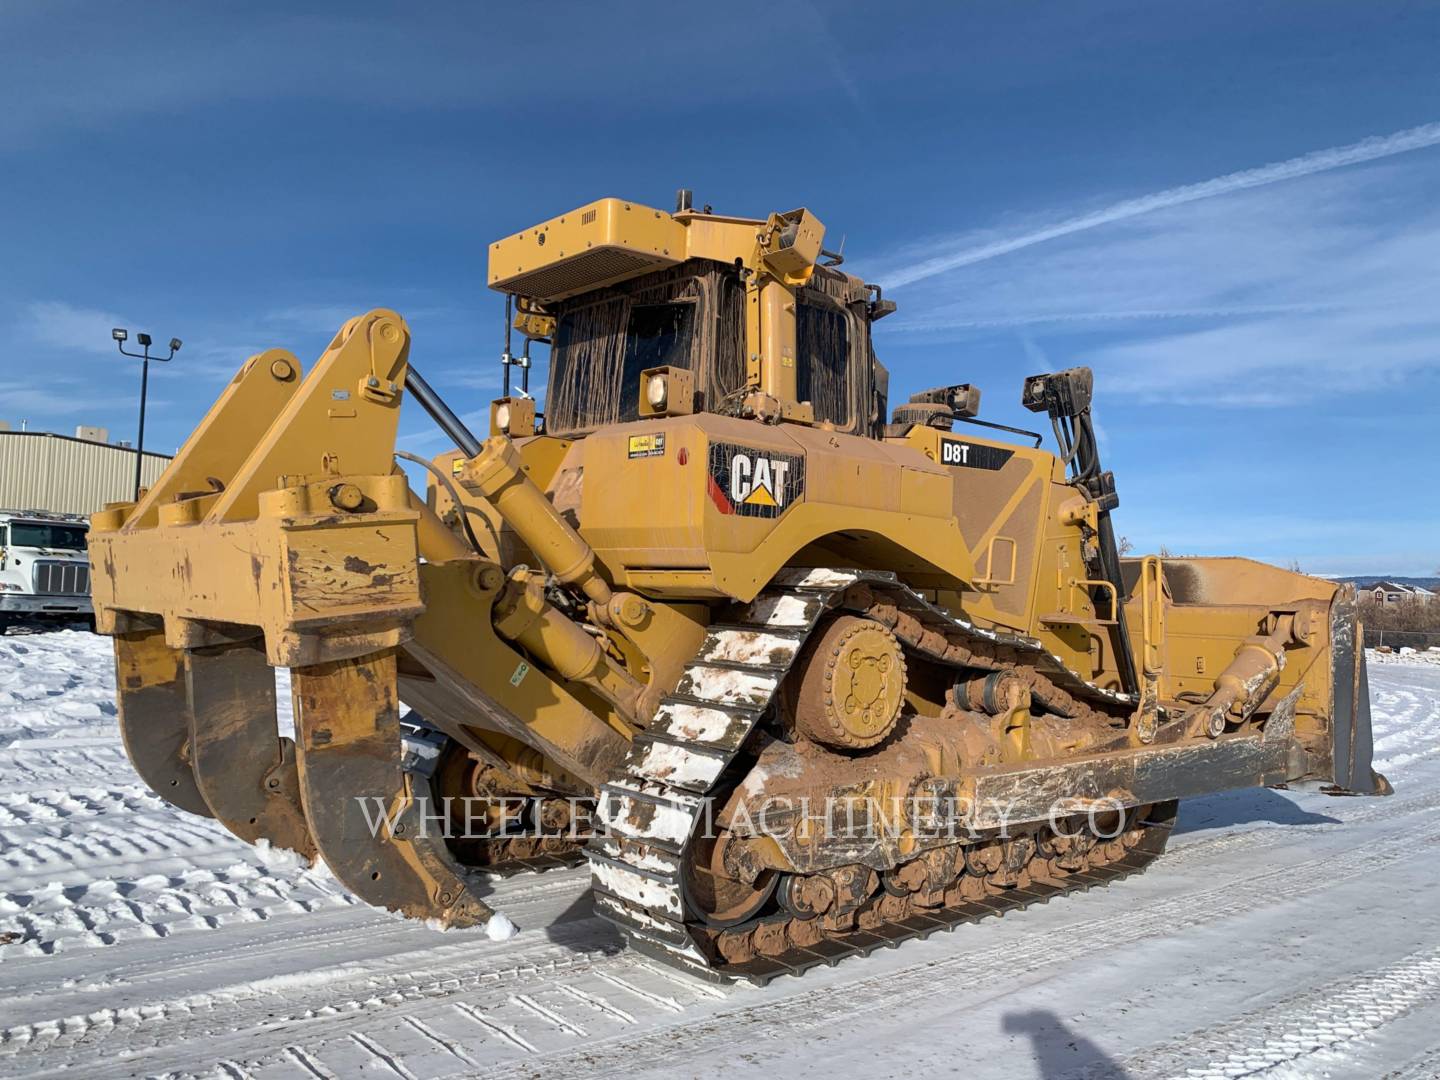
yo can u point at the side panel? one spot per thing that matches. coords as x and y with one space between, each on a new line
727 502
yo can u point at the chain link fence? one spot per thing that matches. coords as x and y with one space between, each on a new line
1398 639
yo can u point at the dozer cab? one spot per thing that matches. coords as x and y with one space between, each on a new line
796 675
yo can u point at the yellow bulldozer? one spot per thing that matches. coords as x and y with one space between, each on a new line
798 676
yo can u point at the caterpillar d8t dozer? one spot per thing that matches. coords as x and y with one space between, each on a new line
820 677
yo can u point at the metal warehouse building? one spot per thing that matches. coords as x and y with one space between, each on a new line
64 475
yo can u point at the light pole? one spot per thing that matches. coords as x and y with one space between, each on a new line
120 335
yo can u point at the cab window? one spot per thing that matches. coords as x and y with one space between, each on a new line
595 371
656 335
823 369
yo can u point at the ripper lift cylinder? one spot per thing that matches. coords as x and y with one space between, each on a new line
498 473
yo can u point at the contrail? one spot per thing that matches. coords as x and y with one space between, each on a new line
1377 146
1125 315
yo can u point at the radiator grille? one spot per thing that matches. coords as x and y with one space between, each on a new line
62 578
601 266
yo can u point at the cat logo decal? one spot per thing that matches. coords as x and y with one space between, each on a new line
754 483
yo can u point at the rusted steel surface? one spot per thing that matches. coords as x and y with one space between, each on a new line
243 768
348 726
332 571
154 717
1140 776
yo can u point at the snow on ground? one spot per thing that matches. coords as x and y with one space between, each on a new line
1406 655
1284 935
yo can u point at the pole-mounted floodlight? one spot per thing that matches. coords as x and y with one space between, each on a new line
144 341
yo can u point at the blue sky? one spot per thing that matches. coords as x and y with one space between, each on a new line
1022 178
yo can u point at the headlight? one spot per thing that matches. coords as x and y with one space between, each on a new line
6 586
502 417
657 391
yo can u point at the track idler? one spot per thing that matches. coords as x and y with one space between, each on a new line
154 715
244 769
378 834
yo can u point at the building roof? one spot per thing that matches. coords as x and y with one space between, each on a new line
1394 586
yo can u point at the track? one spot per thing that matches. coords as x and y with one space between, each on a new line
1241 952
677 769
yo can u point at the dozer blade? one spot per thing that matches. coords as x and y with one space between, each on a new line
154 717
383 843
243 768
1352 745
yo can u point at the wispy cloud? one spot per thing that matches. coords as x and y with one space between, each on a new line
74 67
478 421
1370 149
833 54
1268 297
1034 352
315 318
486 378
35 403
920 322
1309 304
60 325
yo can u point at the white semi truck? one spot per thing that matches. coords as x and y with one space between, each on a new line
44 569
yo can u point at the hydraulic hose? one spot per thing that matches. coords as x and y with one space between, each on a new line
449 486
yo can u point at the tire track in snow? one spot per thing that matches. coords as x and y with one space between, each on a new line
1425 1066
1321 1019
26 979
1006 963
1396 750
188 1023
285 1000
814 1006
1349 814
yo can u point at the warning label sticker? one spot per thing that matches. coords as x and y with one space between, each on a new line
652 445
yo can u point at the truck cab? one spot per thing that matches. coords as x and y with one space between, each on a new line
44 569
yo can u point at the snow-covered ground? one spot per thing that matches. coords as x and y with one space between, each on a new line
1284 935
1406 656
